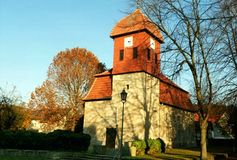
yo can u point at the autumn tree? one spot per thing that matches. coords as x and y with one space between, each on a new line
193 40
69 78
44 106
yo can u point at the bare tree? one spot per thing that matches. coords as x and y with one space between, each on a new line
13 115
229 54
192 42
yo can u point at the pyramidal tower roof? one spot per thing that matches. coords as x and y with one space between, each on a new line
134 22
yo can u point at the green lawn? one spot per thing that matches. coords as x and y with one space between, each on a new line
18 157
176 154
33 155
171 154
53 157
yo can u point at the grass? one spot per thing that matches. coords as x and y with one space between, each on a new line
32 155
22 157
15 156
171 154
175 154
186 153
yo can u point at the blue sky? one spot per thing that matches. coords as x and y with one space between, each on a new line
32 32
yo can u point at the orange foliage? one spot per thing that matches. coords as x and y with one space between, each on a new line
24 115
69 78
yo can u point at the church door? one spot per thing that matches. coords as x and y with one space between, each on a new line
110 137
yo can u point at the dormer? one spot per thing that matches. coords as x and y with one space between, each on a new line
136 45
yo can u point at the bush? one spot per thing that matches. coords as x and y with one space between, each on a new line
140 147
154 146
58 140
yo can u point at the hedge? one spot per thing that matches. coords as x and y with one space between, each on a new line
154 146
58 140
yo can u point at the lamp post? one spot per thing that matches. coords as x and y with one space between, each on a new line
123 99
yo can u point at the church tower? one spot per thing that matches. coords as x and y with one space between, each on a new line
136 45
155 107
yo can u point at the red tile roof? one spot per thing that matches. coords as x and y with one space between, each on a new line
165 79
215 112
173 95
134 22
101 88
212 118
170 93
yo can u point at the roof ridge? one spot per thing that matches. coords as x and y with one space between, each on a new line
123 19
172 83
105 73
90 90
133 22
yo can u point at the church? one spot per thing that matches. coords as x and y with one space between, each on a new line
155 107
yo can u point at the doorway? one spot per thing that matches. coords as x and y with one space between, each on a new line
110 137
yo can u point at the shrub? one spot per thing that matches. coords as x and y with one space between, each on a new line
140 147
58 140
154 146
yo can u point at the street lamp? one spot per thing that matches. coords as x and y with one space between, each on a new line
123 99
123 96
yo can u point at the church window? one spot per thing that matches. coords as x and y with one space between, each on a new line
127 86
148 54
121 54
135 52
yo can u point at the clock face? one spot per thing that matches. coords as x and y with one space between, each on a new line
128 41
152 43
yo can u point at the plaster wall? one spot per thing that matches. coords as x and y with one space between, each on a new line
144 116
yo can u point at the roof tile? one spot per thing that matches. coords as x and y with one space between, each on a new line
101 87
134 22
171 94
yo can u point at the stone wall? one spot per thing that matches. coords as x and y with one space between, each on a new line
141 106
98 116
144 116
176 127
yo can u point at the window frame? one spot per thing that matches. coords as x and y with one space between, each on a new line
156 58
135 52
148 54
121 54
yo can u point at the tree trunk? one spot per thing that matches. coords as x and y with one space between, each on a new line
203 142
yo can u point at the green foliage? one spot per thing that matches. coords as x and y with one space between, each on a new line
58 140
140 147
154 146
